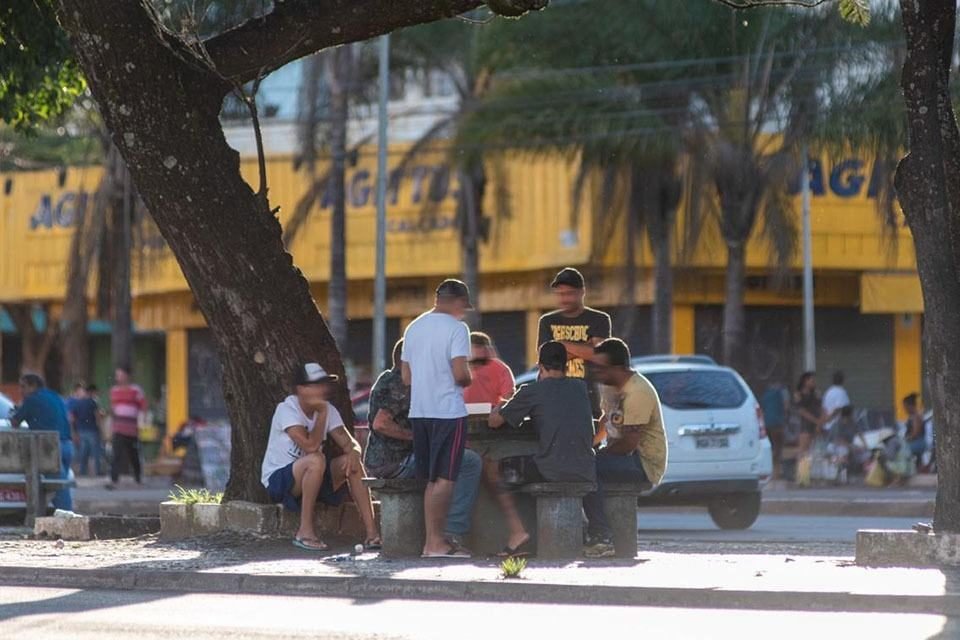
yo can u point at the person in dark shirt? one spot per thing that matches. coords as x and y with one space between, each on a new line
84 414
44 410
560 411
577 327
809 408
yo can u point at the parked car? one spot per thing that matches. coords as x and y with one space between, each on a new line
12 495
718 453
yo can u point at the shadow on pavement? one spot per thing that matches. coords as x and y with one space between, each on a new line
78 602
951 628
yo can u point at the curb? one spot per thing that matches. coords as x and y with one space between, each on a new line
826 507
531 593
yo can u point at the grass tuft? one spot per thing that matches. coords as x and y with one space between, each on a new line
513 567
195 496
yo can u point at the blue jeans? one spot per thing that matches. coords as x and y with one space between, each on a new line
465 490
610 469
917 447
90 447
63 499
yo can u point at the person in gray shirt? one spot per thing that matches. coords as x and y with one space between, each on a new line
561 413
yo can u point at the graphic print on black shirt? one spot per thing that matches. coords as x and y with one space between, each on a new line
581 329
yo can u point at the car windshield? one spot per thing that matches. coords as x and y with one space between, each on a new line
698 389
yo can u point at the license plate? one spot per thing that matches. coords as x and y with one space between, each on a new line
12 494
713 442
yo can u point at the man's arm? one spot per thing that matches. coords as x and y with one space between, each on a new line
306 441
405 373
349 446
582 350
514 411
385 424
461 371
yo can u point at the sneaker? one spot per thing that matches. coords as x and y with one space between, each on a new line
599 548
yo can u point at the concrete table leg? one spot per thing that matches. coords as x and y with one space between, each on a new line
559 527
622 515
401 524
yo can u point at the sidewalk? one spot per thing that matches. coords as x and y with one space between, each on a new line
91 497
234 563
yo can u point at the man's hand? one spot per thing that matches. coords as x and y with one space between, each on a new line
353 462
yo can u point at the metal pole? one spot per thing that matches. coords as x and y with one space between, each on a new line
809 339
380 279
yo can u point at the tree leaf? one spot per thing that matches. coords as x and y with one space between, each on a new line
855 11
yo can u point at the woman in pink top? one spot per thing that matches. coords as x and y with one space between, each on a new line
492 379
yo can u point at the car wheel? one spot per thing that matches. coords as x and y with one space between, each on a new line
737 511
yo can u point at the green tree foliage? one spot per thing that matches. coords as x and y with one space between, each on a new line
39 80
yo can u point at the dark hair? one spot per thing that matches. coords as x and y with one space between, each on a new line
79 385
806 375
92 388
616 350
123 367
397 352
911 399
32 380
553 356
838 377
847 411
480 339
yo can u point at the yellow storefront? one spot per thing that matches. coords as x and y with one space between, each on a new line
863 276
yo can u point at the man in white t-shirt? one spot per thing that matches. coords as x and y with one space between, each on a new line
835 399
436 348
295 470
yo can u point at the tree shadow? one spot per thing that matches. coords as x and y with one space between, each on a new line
78 602
951 628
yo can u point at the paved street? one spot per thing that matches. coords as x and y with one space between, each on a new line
52 614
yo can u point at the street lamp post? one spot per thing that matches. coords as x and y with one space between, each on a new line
380 278
809 338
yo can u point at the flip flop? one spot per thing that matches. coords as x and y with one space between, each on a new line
452 552
520 551
373 544
310 544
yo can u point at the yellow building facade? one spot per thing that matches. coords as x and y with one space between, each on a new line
867 293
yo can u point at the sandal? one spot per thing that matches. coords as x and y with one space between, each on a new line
373 544
310 544
452 552
522 550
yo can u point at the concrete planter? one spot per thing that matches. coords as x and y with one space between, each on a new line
251 517
892 548
175 520
206 519
95 527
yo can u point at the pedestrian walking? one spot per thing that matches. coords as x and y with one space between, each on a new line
127 404
775 404
84 416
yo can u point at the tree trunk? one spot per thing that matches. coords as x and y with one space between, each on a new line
162 110
734 318
35 346
634 214
928 187
339 77
74 344
662 292
121 318
473 184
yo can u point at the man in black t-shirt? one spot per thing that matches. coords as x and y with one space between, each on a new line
577 327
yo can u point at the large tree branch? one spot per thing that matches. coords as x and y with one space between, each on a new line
296 28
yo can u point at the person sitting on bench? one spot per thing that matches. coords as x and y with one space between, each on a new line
295 470
562 417
631 439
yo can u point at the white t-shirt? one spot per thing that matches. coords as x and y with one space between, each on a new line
835 398
281 450
429 344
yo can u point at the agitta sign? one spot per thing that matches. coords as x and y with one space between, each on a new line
845 179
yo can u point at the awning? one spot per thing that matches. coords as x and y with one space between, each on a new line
890 293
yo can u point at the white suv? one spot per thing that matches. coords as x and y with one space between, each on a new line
718 452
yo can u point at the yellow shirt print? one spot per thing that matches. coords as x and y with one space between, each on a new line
576 367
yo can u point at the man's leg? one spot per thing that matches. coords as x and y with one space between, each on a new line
83 455
491 477
63 499
360 493
307 478
436 505
115 458
135 459
465 491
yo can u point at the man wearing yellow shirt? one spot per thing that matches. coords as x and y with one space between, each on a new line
631 439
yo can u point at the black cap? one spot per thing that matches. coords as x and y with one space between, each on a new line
312 373
553 355
570 277
452 288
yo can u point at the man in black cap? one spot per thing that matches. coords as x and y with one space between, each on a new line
295 471
577 327
560 411
436 350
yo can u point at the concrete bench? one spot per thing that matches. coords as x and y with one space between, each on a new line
620 502
559 517
401 515
32 453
